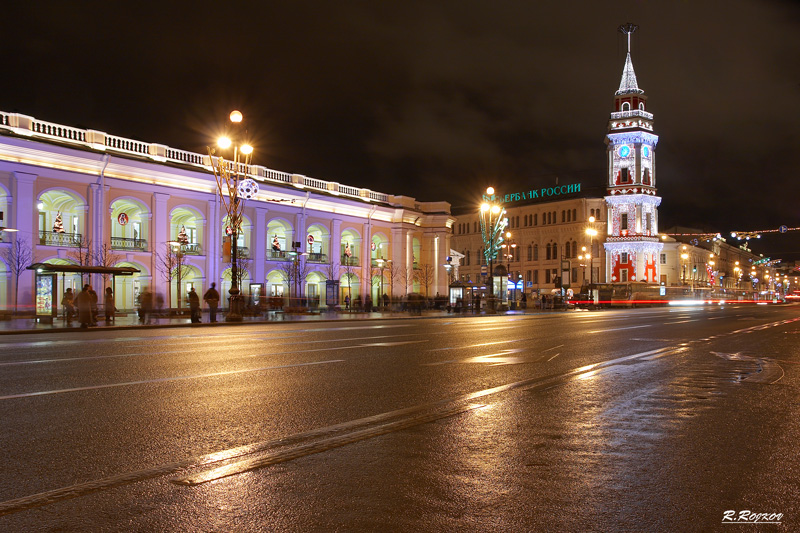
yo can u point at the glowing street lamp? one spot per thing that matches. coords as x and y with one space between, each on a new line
493 222
234 187
592 233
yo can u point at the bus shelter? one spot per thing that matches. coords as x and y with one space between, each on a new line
47 293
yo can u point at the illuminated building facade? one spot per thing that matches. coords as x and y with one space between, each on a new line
78 196
549 247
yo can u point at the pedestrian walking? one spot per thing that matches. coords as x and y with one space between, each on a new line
110 306
68 303
194 306
211 297
83 302
94 311
145 306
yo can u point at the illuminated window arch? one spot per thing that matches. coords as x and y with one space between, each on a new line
626 106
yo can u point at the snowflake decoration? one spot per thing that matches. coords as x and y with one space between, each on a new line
247 189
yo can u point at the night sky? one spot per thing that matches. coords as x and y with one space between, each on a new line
438 100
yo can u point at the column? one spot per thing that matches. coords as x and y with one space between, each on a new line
259 245
213 245
23 216
398 258
159 238
366 259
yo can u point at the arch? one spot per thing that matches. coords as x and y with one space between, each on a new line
242 238
130 223
315 289
317 244
65 206
379 247
127 288
416 248
626 106
187 219
279 238
276 284
350 247
349 285
641 106
225 285
191 276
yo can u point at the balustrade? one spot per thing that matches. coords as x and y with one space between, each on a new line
126 243
316 257
48 238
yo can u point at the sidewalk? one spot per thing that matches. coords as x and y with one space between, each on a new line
131 321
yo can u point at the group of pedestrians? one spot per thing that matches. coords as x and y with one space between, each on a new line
211 298
84 306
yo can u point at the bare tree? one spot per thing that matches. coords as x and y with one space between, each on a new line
424 274
293 273
81 253
106 257
349 274
243 265
406 276
394 274
172 264
18 256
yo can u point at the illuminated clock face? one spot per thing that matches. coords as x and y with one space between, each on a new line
624 151
645 151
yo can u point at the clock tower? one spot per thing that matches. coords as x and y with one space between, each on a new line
632 244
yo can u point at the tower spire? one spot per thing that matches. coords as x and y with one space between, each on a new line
628 83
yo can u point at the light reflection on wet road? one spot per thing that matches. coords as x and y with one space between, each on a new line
646 420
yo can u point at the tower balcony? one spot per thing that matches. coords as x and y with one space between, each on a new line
632 113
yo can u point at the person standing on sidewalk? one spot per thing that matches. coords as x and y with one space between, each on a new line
84 303
67 302
109 306
194 306
211 297
93 296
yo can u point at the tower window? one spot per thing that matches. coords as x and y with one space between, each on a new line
623 258
626 106
623 222
646 178
624 175
641 106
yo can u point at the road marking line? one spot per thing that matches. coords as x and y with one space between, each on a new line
163 380
556 355
619 329
318 446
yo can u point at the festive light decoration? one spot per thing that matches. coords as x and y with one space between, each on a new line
248 188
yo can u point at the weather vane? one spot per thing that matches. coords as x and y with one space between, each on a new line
628 28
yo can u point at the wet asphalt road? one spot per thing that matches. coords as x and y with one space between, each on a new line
617 420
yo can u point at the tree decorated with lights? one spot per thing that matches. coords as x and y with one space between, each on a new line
493 223
632 245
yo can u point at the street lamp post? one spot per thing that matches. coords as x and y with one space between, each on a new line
381 266
493 222
234 187
684 258
177 250
591 232
509 251
585 258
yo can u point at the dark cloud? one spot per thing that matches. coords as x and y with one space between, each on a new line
438 99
